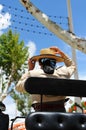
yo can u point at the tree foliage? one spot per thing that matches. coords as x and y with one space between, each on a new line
13 54
23 102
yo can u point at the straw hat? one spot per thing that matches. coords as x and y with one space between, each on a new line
48 53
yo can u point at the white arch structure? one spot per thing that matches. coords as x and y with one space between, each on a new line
68 37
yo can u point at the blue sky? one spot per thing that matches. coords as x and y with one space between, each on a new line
14 16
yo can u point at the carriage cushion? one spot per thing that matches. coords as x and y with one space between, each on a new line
55 121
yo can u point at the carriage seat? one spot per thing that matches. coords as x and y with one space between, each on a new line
55 120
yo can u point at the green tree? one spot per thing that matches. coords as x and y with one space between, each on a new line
23 102
13 55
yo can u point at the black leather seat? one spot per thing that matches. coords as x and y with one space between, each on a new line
4 121
55 120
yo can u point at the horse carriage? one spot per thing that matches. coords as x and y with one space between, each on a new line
54 120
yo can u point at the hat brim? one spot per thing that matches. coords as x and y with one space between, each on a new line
57 58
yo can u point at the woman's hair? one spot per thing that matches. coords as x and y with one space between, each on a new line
2 106
48 65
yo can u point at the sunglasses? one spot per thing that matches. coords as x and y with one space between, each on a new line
48 61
